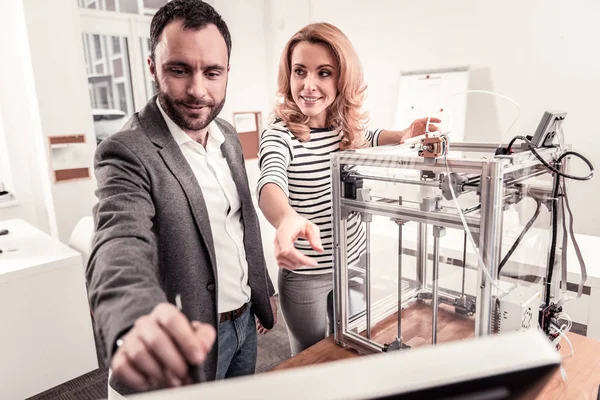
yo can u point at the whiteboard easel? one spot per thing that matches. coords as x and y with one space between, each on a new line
428 93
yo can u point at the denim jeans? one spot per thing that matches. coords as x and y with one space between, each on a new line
237 346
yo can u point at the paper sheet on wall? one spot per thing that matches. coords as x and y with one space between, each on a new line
434 93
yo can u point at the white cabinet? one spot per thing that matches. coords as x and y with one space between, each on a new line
46 335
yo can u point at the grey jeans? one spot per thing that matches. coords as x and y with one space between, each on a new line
303 300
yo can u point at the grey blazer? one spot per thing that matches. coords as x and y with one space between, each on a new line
153 237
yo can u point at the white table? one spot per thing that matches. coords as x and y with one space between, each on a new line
46 335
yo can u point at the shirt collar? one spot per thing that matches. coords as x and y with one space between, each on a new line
214 133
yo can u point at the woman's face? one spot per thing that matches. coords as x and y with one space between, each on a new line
313 81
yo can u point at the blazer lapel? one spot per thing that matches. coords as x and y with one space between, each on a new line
238 173
158 132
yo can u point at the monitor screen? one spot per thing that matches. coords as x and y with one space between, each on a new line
502 366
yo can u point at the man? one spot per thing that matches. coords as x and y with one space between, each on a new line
175 220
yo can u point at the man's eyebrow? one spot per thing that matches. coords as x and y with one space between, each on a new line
215 67
176 63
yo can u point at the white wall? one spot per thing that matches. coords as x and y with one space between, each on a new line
64 104
540 53
259 30
284 18
247 86
21 124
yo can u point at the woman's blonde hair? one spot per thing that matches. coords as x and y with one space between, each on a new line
345 112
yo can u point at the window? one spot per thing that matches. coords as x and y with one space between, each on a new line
122 97
110 82
141 7
118 67
115 52
156 4
116 43
88 4
97 47
150 86
102 99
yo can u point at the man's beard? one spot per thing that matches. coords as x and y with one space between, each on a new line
172 108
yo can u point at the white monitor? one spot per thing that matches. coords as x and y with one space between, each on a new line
494 367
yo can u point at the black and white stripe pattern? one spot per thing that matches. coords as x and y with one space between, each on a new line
302 171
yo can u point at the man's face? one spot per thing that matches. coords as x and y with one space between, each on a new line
190 69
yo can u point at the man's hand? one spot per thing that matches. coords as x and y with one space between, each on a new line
261 329
419 127
290 229
156 352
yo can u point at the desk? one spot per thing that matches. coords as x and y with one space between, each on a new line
583 370
46 335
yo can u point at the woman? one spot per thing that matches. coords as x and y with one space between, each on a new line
322 89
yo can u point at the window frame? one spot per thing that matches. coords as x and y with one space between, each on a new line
135 29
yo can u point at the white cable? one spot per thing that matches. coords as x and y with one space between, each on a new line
555 342
563 373
569 321
563 336
481 264
427 132
490 93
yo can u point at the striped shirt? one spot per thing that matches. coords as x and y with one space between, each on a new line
302 171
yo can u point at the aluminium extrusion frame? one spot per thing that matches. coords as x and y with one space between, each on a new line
496 174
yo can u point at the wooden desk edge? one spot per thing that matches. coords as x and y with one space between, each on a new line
583 369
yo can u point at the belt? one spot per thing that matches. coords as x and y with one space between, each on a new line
232 315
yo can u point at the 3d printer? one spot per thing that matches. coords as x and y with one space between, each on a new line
421 204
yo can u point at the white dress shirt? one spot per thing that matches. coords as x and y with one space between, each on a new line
224 212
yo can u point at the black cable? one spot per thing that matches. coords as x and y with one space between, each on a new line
512 141
523 232
557 174
554 237
555 194
550 167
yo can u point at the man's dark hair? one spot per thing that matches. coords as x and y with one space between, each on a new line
195 14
